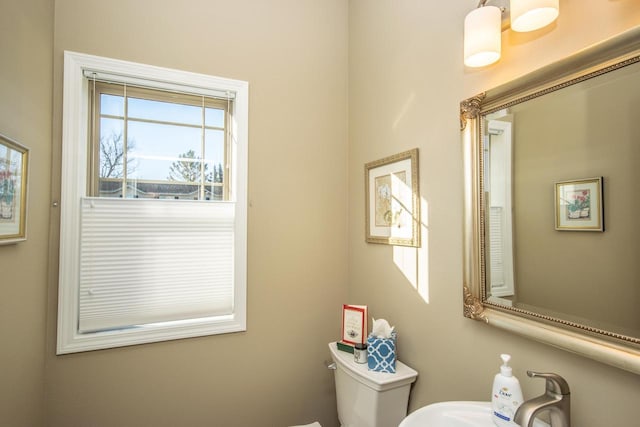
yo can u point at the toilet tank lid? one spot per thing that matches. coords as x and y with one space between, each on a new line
376 380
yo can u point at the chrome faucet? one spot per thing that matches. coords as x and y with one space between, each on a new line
556 399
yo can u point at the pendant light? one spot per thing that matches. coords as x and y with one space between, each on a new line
482 36
483 26
530 15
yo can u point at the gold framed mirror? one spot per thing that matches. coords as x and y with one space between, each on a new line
552 244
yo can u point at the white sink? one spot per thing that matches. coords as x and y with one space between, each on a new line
455 414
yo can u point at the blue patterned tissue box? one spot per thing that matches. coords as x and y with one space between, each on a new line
381 353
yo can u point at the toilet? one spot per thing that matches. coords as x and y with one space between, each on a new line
368 398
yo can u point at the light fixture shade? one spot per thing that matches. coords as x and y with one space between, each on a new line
482 36
530 15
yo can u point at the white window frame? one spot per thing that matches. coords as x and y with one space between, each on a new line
75 157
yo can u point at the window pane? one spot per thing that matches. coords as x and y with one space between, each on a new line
141 189
214 150
110 188
214 117
214 146
111 148
111 157
112 105
162 160
164 111
155 148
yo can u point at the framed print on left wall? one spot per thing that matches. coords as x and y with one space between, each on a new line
392 200
14 161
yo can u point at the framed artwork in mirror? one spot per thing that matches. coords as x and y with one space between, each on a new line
578 205
392 200
13 191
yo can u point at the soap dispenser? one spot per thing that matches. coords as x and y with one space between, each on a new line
506 395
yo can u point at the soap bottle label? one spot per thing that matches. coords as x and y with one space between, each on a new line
505 407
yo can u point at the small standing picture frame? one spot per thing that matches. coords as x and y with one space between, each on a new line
14 161
579 205
392 200
354 324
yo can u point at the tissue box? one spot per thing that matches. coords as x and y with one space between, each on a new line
381 353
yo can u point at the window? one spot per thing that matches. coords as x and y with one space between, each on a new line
156 144
153 209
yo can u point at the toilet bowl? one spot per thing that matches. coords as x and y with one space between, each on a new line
368 398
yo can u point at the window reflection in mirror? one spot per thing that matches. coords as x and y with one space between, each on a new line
498 160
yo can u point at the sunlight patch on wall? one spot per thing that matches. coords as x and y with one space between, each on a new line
405 108
414 262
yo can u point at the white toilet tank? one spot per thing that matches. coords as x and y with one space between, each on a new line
368 398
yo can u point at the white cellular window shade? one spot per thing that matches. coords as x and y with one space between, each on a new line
138 266
149 261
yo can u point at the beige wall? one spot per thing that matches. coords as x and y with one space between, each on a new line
294 56
406 79
25 115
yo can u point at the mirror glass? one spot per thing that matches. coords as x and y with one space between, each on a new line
570 136
552 203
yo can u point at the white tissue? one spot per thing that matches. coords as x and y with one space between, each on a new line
381 328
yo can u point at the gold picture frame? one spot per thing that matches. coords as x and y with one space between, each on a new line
14 161
578 205
392 203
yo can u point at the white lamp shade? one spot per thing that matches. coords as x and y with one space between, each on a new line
482 36
530 15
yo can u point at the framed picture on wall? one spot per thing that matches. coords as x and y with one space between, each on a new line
578 205
392 200
14 159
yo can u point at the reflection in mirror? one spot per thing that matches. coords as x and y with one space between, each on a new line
525 140
580 131
498 178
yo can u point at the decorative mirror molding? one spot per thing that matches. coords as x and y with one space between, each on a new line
572 333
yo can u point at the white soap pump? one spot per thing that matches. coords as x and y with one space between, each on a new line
506 395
